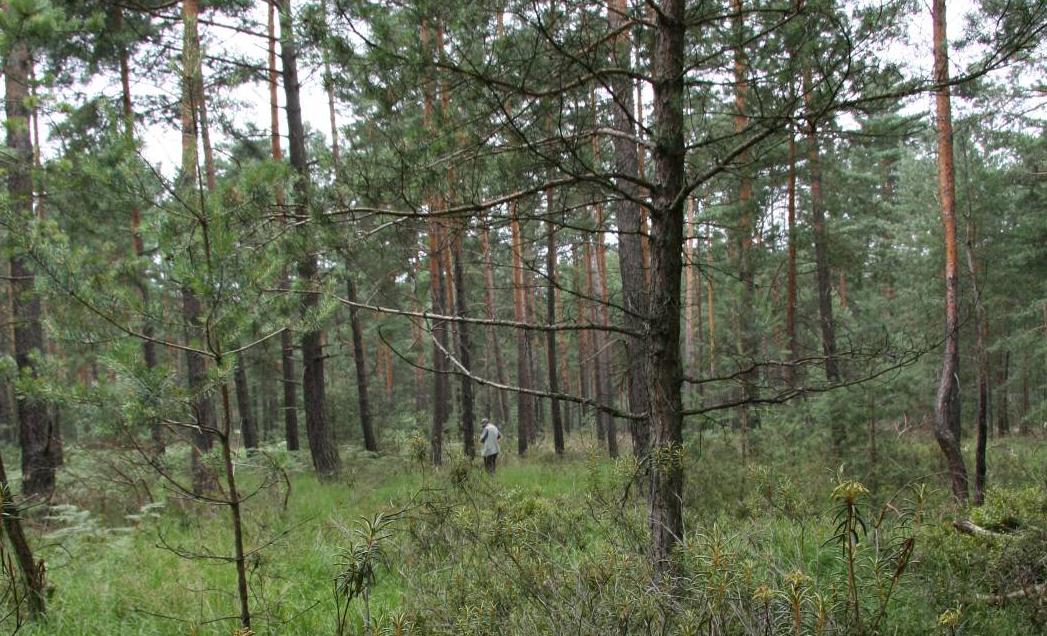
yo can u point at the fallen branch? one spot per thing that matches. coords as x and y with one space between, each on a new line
966 526
1025 592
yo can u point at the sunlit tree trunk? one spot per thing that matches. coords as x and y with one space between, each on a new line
494 349
744 232
947 405
524 402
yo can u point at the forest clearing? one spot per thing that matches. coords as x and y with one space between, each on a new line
523 317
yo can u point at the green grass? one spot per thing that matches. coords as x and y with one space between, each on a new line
113 576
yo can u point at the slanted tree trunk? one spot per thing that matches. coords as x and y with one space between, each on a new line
248 426
32 571
947 405
664 372
36 433
631 224
290 389
524 402
360 359
322 444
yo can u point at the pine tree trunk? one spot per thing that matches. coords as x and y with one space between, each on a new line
664 371
248 425
791 289
1003 420
322 444
821 264
604 395
631 226
137 245
947 405
32 571
360 359
494 349
290 389
464 347
582 337
550 318
744 238
524 402
36 431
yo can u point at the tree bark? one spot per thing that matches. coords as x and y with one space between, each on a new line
604 395
1003 421
550 318
322 444
290 390
524 402
744 234
791 287
36 432
947 404
32 571
821 262
360 359
664 373
494 349
630 221
248 425
137 244
464 346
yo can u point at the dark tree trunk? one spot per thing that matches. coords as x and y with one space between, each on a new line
791 289
36 431
630 225
947 406
360 358
202 403
32 571
248 426
441 383
464 346
1003 421
322 444
821 264
550 318
604 394
290 389
664 372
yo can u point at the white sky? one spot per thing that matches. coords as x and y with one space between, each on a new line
161 144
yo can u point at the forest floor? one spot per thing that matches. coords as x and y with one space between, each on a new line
125 555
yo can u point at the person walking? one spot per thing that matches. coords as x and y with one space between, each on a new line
489 438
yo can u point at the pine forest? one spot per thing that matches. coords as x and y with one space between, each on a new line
410 317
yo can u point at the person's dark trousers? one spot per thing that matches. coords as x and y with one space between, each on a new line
489 463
